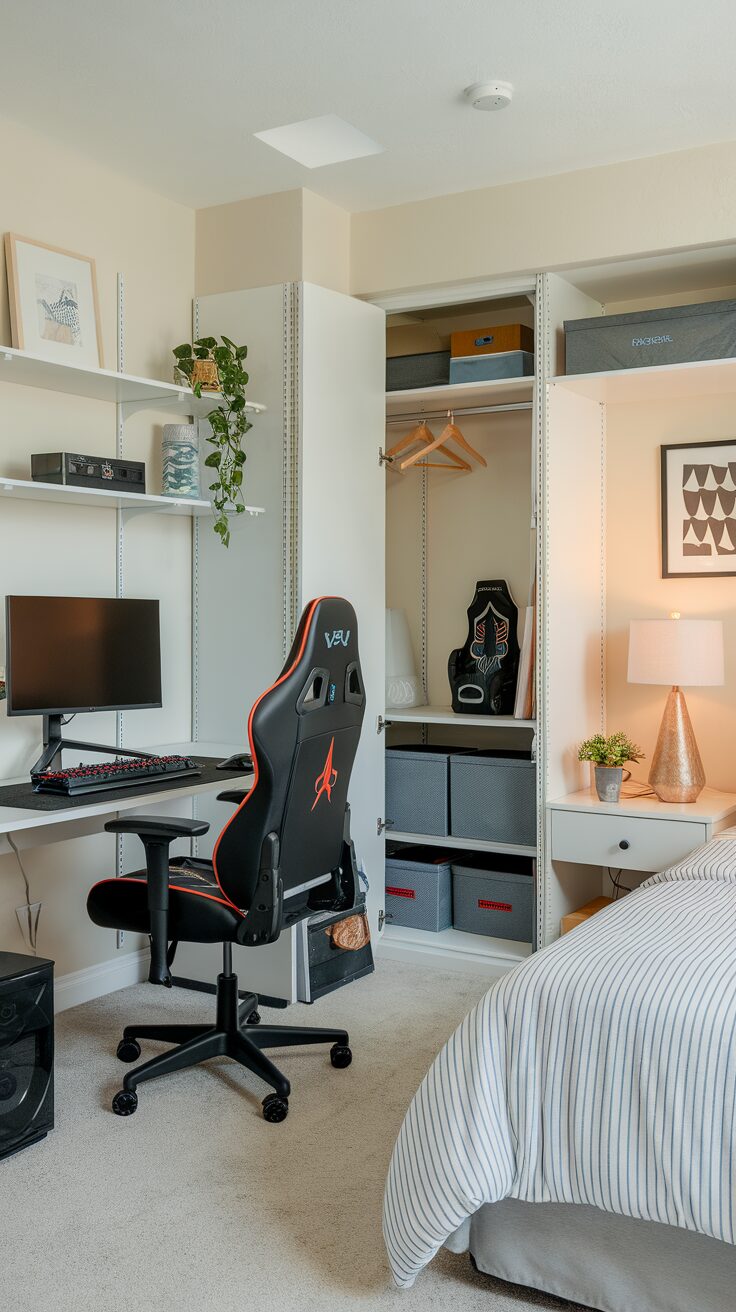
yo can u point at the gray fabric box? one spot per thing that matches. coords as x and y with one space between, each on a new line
432 369
487 368
417 789
494 895
419 888
493 796
671 336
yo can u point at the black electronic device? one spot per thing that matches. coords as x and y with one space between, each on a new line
69 654
120 773
26 1050
240 761
76 470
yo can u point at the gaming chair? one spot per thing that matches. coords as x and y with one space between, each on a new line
284 854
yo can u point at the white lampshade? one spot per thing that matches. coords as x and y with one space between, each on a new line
676 652
403 687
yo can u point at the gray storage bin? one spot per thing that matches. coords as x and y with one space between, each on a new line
493 796
486 368
494 895
432 369
419 888
671 336
417 789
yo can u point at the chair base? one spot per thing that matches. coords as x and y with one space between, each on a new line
231 1036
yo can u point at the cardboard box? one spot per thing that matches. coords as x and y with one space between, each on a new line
575 918
488 341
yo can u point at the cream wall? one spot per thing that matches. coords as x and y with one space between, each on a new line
677 200
286 237
56 196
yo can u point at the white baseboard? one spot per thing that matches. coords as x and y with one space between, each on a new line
95 981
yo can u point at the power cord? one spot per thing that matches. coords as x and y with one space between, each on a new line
618 887
32 923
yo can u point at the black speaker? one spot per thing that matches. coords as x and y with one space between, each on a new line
26 1050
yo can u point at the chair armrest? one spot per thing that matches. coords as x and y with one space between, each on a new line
235 795
157 833
161 827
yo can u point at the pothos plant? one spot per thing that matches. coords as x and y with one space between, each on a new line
228 423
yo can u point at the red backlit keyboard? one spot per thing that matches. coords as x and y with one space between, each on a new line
124 771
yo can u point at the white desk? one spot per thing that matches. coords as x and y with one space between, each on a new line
29 828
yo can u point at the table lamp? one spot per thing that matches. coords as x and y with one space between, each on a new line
675 652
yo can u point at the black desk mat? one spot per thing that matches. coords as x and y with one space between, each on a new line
23 795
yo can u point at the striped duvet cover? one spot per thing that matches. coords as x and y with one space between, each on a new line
600 1071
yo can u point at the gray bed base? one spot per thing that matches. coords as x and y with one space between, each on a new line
607 1262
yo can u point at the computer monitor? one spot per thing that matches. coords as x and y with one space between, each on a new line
68 654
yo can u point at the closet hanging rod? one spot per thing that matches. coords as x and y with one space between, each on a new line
457 411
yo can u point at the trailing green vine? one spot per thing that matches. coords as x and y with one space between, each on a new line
228 423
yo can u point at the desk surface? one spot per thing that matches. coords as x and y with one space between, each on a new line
14 819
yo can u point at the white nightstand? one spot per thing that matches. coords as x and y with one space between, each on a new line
639 833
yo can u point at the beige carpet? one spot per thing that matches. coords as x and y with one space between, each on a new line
196 1203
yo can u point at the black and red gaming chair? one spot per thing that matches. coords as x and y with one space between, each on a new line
283 855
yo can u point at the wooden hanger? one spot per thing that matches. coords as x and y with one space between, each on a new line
450 432
423 433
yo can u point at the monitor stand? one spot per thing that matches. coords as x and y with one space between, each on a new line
54 742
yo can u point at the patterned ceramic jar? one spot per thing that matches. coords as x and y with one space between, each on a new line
180 461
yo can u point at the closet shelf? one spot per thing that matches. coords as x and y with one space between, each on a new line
25 490
446 715
663 382
450 396
454 942
105 385
460 844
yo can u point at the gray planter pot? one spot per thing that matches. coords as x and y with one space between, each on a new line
608 781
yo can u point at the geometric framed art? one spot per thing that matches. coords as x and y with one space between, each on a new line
53 302
699 510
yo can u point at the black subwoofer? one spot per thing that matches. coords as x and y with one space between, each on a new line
26 1050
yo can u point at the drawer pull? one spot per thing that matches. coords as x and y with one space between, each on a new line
624 844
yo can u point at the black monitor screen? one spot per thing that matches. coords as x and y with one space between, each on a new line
81 654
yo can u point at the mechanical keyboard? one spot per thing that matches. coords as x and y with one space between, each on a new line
123 772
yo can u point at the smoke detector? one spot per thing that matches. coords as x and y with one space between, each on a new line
489 95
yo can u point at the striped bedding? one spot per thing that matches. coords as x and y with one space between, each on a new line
600 1071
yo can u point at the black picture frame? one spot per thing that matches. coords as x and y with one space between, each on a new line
667 493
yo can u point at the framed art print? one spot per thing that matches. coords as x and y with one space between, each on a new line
699 509
53 302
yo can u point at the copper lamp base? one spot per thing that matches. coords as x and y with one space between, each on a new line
677 773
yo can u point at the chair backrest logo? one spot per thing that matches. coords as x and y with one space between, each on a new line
338 638
326 780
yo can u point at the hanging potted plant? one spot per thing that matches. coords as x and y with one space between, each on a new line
228 421
609 756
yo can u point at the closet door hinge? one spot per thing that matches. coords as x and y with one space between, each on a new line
381 919
383 459
382 724
383 824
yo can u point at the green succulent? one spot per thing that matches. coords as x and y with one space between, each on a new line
615 750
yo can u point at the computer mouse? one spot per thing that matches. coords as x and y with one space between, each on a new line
240 761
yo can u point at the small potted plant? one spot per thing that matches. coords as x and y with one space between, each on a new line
609 756
228 421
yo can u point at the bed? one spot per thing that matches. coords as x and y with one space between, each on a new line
590 1099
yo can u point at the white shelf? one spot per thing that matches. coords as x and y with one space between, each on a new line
105 384
667 382
25 490
461 844
459 950
500 391
446 715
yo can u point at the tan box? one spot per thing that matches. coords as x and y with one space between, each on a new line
575 918
489 341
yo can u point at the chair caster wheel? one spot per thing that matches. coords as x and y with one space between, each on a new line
275 1108
125 1102
340 1055
129 1050
254 1018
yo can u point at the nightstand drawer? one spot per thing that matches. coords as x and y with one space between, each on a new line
599 839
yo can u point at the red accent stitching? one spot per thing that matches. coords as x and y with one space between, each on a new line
313 606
